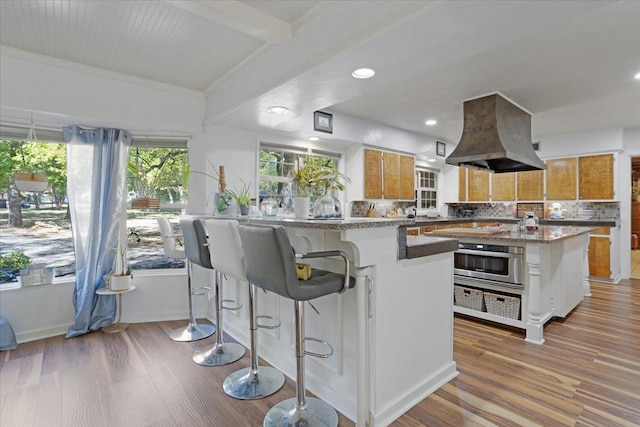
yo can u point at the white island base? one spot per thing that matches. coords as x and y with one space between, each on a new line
392 334
556 278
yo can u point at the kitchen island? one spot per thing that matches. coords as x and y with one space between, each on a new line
556 274
392 334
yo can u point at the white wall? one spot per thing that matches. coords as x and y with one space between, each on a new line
572 144
86 96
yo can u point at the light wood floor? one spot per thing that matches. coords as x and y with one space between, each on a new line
586 374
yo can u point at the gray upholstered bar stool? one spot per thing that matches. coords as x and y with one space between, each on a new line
270 264
221 353
192 331
227 257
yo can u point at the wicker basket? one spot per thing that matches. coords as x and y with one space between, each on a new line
468 298
502 305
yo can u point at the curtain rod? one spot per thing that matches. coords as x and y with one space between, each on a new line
134 133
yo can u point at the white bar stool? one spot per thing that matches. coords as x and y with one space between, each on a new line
227 257
197 249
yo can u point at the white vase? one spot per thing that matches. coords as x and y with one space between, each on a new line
301 207
119 283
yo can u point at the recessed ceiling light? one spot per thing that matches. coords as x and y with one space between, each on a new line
363 73
431 160
430 122
277 109
313 138
637 76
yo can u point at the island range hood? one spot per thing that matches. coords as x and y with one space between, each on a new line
496 137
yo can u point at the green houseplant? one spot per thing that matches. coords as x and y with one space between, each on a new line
120 277
242 197
314 180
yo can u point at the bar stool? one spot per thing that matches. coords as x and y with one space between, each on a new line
197 248
227 257
173 249
270 264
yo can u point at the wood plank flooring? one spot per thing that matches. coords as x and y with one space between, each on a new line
586 374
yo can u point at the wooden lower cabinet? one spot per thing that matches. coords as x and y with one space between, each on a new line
635 218
600 256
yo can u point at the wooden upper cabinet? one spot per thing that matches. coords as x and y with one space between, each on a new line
391 175
407 177
462 184
503 187
596 177
531 185
478 182
388 175
372 174
561 179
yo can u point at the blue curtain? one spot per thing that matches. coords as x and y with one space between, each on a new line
96 187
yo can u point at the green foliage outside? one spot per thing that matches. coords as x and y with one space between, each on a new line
22 156
158 173
15 260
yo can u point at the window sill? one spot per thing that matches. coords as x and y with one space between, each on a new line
71 279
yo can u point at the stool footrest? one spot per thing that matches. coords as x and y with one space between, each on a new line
229 304
320 355
274 319
201 290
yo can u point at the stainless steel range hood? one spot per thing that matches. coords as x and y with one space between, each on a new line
496 137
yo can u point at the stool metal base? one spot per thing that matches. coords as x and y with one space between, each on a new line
245 384
219 354
193 332
316 413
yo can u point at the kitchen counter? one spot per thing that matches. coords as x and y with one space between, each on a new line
612 222
421 246
363 379
544 234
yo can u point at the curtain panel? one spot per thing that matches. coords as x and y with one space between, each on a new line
96 187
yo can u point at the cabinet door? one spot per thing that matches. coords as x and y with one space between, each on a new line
407 177
561 179
599 257
478 185
372 174
635 217
391 175
596 177
462 184
530 185
503 187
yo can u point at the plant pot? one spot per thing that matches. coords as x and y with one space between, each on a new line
119 283
244 210
301 207
145 203
230 210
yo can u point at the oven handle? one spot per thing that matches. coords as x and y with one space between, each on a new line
489 254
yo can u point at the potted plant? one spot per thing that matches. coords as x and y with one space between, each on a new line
223 198
120 277
11 264
242 197
314 180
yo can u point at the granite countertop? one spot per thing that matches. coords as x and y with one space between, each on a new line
421 246
326 224
609 222
544 234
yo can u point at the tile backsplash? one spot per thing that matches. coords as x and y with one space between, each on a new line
601 210
359 208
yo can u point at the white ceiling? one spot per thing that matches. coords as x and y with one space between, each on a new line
570 63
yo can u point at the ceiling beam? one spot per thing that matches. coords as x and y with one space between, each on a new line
240 17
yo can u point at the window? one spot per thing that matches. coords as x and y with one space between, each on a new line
157 186
38 225
427 188
275 166
32 223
